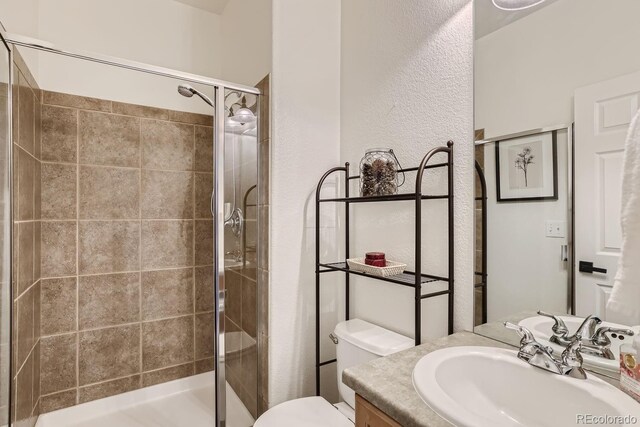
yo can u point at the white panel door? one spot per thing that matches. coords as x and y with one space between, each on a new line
603 112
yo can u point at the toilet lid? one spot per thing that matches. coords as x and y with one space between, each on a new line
305 412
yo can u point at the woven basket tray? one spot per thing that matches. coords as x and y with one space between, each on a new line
391 269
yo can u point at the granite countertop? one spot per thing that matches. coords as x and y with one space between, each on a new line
387 382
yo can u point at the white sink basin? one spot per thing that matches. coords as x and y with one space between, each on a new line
540 326
490 387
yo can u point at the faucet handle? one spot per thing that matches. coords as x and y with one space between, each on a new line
571 358
559 327
600 337
526 337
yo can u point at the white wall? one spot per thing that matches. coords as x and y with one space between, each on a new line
525 78
22 17
163 33
526 72
407 84
306 138
246 41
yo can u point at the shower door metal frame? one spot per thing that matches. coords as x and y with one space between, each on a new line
219 87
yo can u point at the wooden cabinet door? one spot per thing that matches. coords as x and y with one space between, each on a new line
368 415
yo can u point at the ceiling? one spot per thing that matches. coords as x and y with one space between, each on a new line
215 6
489 18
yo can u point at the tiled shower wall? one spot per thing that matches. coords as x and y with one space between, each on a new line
127 247
26 240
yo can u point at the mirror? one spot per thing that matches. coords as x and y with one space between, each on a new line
556 87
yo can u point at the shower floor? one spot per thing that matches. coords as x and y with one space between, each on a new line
187 402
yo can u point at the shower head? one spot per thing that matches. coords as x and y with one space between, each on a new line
188 91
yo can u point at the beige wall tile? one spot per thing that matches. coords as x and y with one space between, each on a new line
264 159
262 295
59 190
204 189
61 400
233 282
168 374
204 149
58 248
26 181
75 101
24 391
249 308
109 388
108 246
26 111
204 335
25 328
167 293
167 244
108 300
58 305
167 145
37 189
263 238
167 342
58 363
109 193
37 130
140 111
59 134
204 365
37 250
37 299
249 379
204 288
110 353
109 139
167 194
204 242
192 118
264 112
25 256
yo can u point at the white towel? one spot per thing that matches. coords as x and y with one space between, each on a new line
624 304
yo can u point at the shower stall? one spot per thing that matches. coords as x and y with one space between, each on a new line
134 242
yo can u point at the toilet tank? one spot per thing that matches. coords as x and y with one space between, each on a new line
360 342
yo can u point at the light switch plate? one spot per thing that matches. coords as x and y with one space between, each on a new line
556 229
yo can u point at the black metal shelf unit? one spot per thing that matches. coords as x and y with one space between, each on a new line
414 279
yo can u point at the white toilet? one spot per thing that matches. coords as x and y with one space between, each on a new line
358 342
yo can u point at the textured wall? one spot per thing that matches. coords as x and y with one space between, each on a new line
126 247
306 137
407 84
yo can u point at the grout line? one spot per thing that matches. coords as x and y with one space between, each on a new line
120 325
78 163
115 220
128 272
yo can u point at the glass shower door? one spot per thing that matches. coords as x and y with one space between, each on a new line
5 234
240 261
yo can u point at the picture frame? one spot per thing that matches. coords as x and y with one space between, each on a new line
527 168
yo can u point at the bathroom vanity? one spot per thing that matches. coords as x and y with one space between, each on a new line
385 387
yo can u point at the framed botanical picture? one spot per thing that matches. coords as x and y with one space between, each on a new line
527 168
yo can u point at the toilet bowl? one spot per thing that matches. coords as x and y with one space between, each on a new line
358 342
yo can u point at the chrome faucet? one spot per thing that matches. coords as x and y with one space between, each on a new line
540 356
595 342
